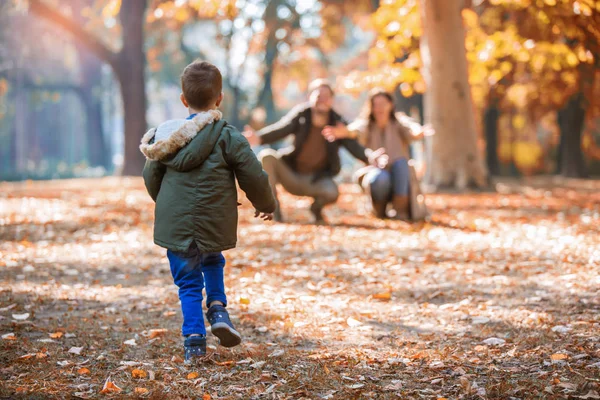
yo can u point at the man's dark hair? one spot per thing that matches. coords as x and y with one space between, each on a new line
201 84
319 83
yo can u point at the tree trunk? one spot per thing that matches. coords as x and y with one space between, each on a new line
448 106
571 120
490 121
130 73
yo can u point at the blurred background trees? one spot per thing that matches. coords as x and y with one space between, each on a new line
512 86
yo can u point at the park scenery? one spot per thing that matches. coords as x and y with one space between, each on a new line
414 186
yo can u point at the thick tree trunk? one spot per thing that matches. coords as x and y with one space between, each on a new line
490 122
571 120
448 106
130 74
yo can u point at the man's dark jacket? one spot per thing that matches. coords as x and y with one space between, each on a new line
299 122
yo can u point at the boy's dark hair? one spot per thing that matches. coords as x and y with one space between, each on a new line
201 84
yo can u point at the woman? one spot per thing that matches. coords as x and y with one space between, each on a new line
395 180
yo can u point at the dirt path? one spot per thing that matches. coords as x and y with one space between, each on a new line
497 297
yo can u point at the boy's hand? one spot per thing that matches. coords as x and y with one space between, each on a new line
263 216
251 136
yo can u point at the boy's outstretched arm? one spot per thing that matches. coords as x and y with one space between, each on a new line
253 180
154 171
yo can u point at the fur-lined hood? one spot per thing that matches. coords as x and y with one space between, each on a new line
168 141
165 143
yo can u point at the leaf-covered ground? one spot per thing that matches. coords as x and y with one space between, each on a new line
497 297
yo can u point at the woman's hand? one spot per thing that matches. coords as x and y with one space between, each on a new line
379 158
333 133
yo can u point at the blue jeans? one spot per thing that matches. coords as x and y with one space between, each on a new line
385 183
191 271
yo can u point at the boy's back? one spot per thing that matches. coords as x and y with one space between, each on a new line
191 176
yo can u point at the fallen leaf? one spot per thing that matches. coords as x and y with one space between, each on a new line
140 391
561 329
480 320
139 373
385 296
258 364
156 333
9 336
277 353
206 396
20 317
63 363
493 341
559 356
395 385
130 342
56 335
83 371
224 363
193 375
75 350
353 322
244 300
27 356
109 387
356 386
169 313
176 359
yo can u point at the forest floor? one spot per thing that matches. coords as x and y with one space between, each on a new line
497 297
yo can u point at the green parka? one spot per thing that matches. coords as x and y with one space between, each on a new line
190 173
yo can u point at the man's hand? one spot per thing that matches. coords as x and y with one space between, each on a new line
378 158
263 216
428 130
251 135
333 133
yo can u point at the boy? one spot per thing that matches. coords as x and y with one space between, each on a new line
190 173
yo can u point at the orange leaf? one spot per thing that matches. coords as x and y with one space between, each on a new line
56 335
244 300
41 355
110 387
206 396
193 375
559 356
157 332
83 371
385 296
224 363
140 390
139 373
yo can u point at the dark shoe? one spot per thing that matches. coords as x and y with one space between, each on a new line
317 211
379 208
400 204
194 348
221 326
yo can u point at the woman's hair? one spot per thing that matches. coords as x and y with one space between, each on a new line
367 112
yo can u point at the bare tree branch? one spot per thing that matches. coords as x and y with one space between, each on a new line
42 10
